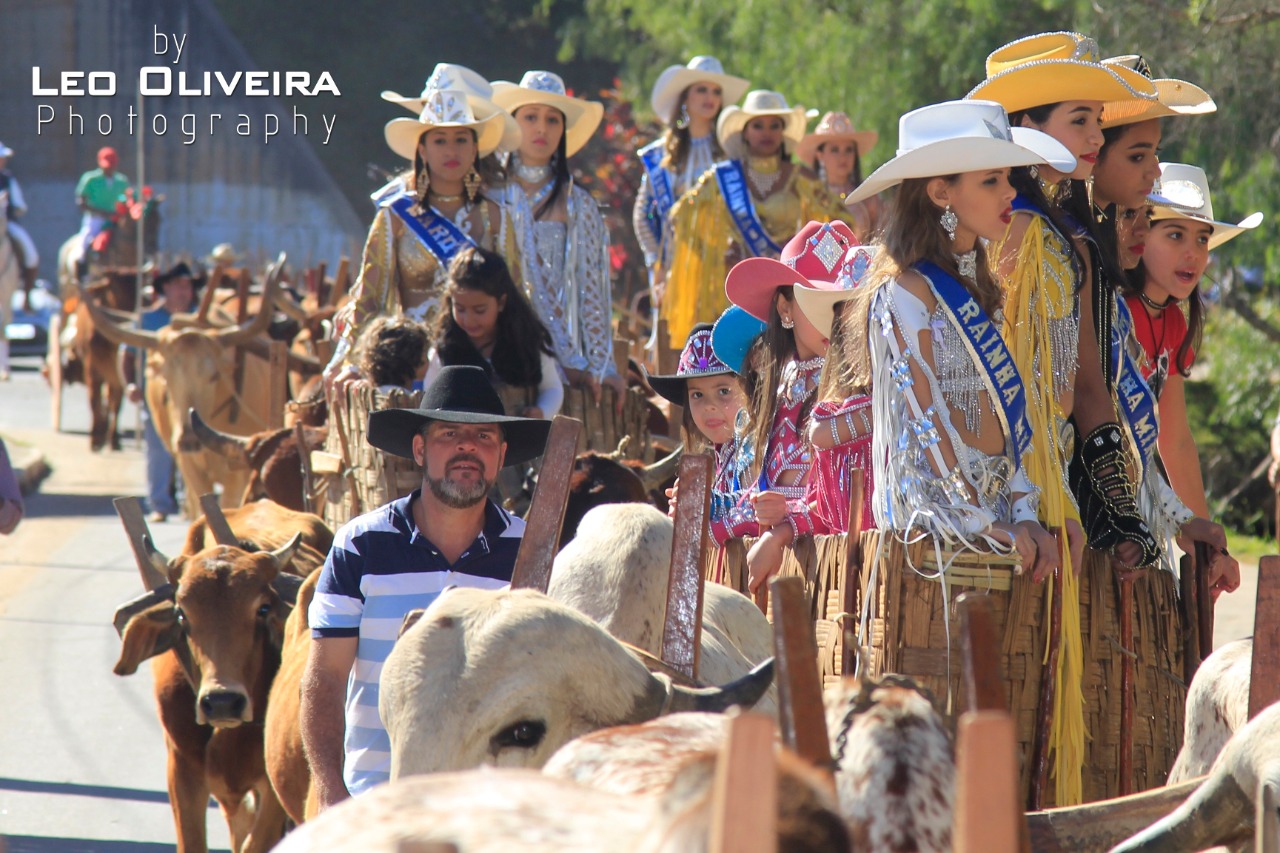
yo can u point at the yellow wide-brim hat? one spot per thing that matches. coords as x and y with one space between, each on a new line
447 75
1053 67
446 108
1183 193
1173 97
834 127
760 102
701 69
581 117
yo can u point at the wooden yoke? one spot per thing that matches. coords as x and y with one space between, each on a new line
682 628
1264 673
744 816
984 688
217 522
851 583
546 509
801 715
987 814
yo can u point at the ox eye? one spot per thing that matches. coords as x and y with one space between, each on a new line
525 734
179 616
265 609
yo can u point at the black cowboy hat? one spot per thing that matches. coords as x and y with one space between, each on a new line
461 394
178 270
696 359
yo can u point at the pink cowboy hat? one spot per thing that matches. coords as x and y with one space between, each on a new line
811 259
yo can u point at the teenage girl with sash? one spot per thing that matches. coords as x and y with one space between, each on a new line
687 99
835 151
789 363
416 234
562 235
742 207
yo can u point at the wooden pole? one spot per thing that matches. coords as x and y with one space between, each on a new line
745 798
341 280
304 463
54 360
1267 823
851 583
217 523
546 511
1127 697
1048 695
682 629
1204 558
278 371
1189 595
1264 673
984 688
987 813
801 715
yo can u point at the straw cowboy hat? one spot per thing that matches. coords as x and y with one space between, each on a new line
701 69
961 136
810 259
447 75
581 117
760 102
1173 97
698 358
834 127
1187 187
819 304
223 253
1053 67
448 108
461 394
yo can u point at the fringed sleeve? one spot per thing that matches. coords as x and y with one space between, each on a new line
702 232
374 292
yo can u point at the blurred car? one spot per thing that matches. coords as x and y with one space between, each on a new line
28 329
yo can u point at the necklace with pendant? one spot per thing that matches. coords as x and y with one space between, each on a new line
967 264
1152 304
532 174
763 174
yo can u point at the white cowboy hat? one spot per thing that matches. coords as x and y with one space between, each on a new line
701 69
961 136
223 253
447 108
1053 67
581 117
1173 97
1187 189
834 127
760 102
819 305
5 150
447 75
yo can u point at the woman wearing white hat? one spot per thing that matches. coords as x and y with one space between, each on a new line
416 234
746 206
559 226
836 150
688 100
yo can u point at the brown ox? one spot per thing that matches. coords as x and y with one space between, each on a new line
96 357
271 457
213 621
194 369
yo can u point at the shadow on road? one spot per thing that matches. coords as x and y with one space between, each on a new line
54 504
32 786
40 844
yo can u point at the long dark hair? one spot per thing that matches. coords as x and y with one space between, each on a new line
561 179
1026 184
678 139
521 338
857 163
1133 283
771 352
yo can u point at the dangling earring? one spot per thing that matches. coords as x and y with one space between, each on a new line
471 185
683 120
788 323
949 221
423 180
822 172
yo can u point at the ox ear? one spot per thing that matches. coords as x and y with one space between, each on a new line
286 586
410 619
745 692
153 631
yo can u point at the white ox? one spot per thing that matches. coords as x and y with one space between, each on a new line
616 570
505 678
1217 707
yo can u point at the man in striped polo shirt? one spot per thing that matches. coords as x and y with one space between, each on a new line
400 557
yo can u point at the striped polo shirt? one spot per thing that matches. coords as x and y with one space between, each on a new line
382 566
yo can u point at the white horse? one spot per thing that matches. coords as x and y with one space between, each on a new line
10 280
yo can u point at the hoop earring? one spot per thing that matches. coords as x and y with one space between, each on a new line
682 121
949 222
471 184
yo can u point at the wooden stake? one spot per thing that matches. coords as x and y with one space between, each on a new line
1204 558
1264 674
1190 597
217 522
987 813
801 715
546 511
278 370
850 583
304 462
984 688
682 630
341 280
1127 698
1267 823
744 818
54 360
135 527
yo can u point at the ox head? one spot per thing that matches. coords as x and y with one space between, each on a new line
506 678
222 610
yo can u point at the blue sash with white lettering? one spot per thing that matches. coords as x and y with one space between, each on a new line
441 237
737 198
985 344
1137 403
661 193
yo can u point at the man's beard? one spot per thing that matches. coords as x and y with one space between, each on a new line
459 495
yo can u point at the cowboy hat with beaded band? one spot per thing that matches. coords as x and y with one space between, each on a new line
760 102
961 136
460 394
1186 189
1173 97
819 305
447 75
447 108
1049 68
581 117
698 358
701 69
810 259
834 127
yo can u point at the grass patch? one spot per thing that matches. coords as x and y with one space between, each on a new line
1248 548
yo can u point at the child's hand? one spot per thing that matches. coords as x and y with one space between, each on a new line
765 557
771 508
672 494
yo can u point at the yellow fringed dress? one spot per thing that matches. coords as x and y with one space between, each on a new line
703 233
1041 329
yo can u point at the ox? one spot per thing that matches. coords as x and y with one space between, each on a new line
488 810
194 369
272 458
617 572
212 622
286 762
507 677
1217 707
93 356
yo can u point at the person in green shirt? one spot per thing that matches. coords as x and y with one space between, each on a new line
96 195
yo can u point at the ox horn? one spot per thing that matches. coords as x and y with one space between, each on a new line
282 555
664 469
247 331
116 331
745 692
1212 815
617 453
155 569
233 447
